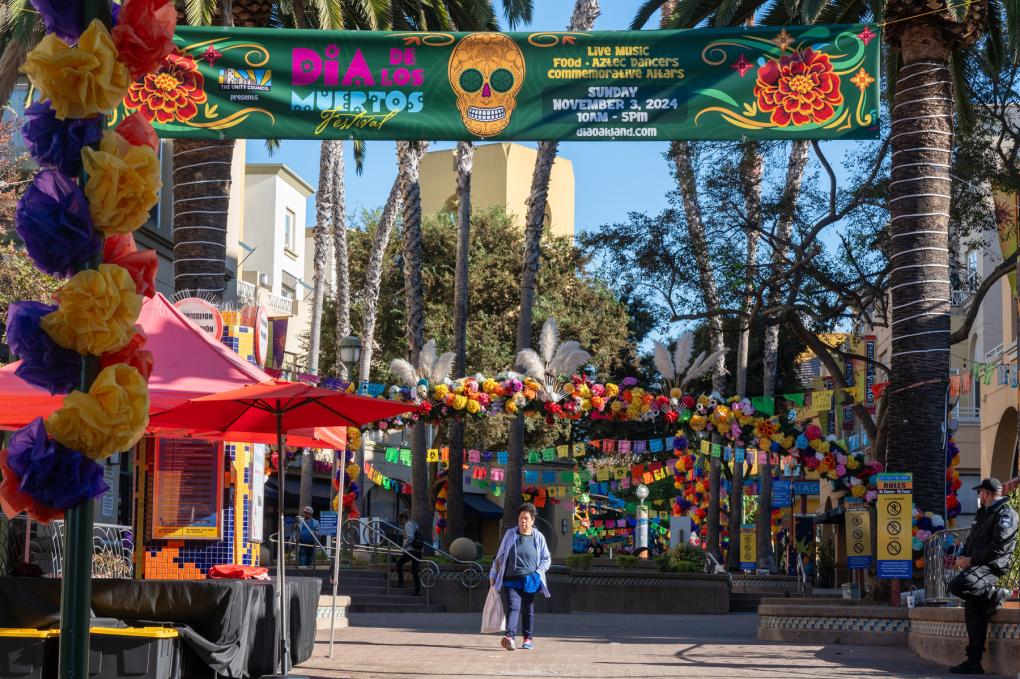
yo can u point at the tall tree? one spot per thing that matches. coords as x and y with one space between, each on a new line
341 265
320 245
455 483
582 19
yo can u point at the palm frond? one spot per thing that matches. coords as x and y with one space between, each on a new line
644 13
200 12
682 353
724 14
530 363
549 339
663 362
329 14
11 60
518 12
961 92
272 146
404 372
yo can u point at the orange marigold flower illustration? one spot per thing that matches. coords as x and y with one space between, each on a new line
798 89
171 93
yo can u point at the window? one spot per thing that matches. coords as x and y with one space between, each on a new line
288 292
289 230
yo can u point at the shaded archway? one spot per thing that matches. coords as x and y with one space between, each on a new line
1003 462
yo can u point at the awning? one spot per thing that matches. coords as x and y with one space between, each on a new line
482 507
321 489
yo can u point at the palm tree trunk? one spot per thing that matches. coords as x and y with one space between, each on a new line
582 19
323 207
341 263
455 486
682 154
922 141
307 469
414 308
201 181
374 272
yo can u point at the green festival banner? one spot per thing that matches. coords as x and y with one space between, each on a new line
807 82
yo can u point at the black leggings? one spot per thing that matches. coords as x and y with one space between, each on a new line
404 558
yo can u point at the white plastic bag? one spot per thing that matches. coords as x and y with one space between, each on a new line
493 618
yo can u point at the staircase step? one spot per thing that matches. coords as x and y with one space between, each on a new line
392 599
395 608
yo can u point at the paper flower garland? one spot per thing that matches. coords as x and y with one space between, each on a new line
57 143
144 34
53 220
141 265
44 363
51 474
79 81
123 183
109 419
62 18
97 312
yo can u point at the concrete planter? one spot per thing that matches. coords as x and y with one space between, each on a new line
451 593
776 585
646 590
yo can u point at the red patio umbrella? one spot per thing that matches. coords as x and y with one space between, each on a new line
275 407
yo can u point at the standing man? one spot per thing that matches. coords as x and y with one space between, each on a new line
985 557
306 538
413 543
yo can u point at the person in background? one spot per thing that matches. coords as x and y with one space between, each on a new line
413 543
519 572
595 547
983 560
309 531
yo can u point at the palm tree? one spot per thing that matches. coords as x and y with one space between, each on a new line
582 19
341 263
320 244
455 482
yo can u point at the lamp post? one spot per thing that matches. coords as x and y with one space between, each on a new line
641 531
350 354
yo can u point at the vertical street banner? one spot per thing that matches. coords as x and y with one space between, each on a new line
858 535
748 547
848 410
895 509
869 372
732 83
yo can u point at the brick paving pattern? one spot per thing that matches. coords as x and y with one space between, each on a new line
588 645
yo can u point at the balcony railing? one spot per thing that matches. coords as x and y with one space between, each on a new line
247 293
279 305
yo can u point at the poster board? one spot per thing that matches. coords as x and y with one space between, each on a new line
187 490
895 509
858 536
257 507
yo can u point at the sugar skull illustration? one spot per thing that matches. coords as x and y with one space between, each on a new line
486 73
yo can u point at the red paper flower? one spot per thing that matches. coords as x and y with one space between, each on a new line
137 130
798 89
171 93
120 249
144 34
13 501
133 354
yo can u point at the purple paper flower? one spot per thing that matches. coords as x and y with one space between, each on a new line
58 143
54 221
629 381
52 474
62 17
44 363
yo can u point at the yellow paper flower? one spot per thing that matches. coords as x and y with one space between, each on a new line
123 183
612 390
109 419
459 402
79 81
440 391
698 423
353 471
858 491
353 438
473 406
510 407
97 312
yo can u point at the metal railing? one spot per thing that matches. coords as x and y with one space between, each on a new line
380 543
246 293
471 577
113 549
940 552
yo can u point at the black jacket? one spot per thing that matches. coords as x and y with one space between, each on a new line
993 536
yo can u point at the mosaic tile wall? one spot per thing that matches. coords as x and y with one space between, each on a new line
192 559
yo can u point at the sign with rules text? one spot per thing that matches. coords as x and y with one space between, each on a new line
748 547
858 536
895 509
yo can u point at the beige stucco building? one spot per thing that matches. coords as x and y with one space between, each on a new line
501 177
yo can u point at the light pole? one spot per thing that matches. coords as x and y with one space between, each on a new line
350 354
641 531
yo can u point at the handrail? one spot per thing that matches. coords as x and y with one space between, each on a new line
940 550
713 567
428 571
470 577
801 575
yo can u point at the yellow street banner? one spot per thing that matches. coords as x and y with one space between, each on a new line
748 547
895 508
858 535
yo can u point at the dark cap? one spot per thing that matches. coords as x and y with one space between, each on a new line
991 484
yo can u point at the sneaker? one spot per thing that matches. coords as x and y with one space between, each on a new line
967 667
508 643
527 645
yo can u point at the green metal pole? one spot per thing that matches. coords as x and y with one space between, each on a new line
76 582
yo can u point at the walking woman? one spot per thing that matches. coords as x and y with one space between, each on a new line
519 572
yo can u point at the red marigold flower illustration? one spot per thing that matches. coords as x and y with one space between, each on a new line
171 93
798 89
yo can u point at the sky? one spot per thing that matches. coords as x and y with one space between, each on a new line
638 177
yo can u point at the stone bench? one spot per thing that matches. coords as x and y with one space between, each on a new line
935 634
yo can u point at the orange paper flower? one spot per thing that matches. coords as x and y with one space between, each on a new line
134 355
120 249
798 89
144 34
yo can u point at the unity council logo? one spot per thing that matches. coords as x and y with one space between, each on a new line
486 73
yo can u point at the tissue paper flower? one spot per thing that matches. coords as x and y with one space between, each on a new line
44 364
79 81
97 312
123 183
14 501
58 143
134 355
50 473
137 130
109 419
53 220
142 266
144 34
62 18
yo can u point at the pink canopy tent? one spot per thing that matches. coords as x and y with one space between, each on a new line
188 364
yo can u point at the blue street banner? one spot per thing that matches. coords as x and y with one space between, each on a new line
782 493
327 523
806 487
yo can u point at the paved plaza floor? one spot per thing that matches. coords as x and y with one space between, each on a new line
583 645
